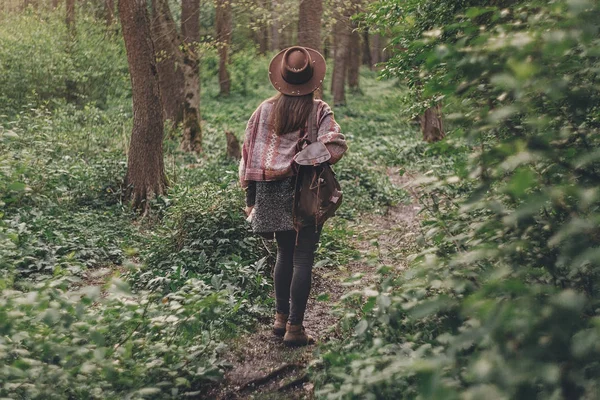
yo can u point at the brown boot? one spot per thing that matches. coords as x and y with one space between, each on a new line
296 336
279 324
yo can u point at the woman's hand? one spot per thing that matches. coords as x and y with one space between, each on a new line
248 210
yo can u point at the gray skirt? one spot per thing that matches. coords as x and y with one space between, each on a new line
273 206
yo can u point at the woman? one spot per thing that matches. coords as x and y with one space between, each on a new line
267 174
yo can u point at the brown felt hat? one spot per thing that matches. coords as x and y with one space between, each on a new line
297 71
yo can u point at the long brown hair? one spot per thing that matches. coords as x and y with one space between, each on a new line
290 112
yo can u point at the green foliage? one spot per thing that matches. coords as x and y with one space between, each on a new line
114 344
59 194
41 65
204 235
502 301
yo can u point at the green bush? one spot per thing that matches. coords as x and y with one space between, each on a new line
502 301
40 65
204 235
57 343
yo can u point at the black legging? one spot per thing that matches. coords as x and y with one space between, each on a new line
293 271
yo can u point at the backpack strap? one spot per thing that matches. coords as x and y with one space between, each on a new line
312 124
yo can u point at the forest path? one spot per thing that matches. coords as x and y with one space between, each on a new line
262 367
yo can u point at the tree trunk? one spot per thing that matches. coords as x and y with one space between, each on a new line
233 146
192 129
432 124
354 60
309 23
190 28
326 47
376 50
70 17
109 11
223 27
342 42
287 36
145 176
263 39
190 21
309 28
170 71
275 25
260 34
366 52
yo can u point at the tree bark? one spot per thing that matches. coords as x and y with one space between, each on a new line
187 59
287 36
109 11
275 25
260 34
70 17
233 146
223 26
190 29
342 42
376 56
354 60
309 23
432 124
145 176
170 70
366 51
190 21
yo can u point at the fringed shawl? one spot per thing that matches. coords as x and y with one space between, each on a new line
267 156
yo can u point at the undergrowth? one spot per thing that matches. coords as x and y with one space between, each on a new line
181 281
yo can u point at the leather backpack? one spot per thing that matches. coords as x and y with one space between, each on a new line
317 193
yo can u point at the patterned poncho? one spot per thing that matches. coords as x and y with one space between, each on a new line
267 156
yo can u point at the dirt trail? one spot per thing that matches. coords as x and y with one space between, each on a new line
262 367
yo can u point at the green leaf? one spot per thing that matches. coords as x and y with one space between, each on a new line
17 186
323 297
361 327
10 135
474 12
523 180
369 305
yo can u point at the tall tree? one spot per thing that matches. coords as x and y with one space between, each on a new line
287 35
432 124
354 59
376 49
309 23
109 11
170 71
187 58
145 165
340 59
190 21
366 49
275 26
223 27
70 17
259 23
190 29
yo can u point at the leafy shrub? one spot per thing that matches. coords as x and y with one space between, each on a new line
203 234
502 302
59 194
366 188
59 343
41 65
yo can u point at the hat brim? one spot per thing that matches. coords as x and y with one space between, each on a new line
302 89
